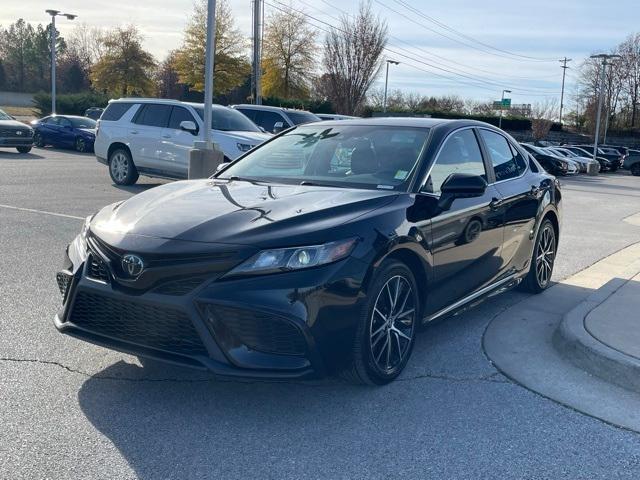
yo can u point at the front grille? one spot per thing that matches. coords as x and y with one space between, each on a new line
13 133
64 282
256 330
96 268
161 328
179 287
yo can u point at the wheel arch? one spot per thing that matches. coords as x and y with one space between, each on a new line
116 145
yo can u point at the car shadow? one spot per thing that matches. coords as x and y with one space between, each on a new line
174 422
7 155
67 151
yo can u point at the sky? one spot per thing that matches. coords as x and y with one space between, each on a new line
467 48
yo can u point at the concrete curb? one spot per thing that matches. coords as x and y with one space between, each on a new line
573 341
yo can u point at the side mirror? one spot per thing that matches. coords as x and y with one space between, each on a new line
189 126
460 185
278 127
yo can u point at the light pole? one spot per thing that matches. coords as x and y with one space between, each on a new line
386 84
209 62
604 58
502 107
54 14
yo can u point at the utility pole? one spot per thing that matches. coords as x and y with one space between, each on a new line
386 84
209 62
605 57
564 72
256 90
54 14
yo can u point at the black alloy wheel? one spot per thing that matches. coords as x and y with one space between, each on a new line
81 145
544 254
387 329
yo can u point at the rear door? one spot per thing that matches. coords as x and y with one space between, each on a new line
520 192
145 134
66 135
466 240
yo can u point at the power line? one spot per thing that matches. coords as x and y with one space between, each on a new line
453 30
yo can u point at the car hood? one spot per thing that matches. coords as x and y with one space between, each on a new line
13 124
253 138
235 212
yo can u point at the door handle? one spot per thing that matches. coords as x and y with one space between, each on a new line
166 136
133 132
495 203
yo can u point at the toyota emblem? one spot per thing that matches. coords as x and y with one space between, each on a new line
132 265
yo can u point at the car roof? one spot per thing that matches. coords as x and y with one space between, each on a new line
167 101
268 108
410 122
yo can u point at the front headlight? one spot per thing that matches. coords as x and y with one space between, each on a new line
296 258
85 227
244 147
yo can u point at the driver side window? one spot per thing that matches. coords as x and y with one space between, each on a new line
460 153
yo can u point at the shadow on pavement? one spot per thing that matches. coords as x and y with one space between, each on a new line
9 155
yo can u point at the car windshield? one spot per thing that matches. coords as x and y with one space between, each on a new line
82 122
228 119
298 117
4 116
360 156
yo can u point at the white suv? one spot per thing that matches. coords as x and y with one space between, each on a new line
139 136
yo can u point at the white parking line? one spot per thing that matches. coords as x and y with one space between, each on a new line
43 212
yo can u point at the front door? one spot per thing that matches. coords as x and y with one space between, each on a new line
177 143
465 240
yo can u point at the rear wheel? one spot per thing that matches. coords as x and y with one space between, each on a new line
544 254
23 149
387 327
635 169
121 167
81 145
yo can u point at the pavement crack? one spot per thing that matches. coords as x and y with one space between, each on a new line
491 378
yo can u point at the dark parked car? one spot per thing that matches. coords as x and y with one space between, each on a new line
321 250
610 154
275 119
15 134
93 113
551 163
65 131
605 164
632 162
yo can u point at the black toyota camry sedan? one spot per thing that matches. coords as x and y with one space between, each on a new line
323 250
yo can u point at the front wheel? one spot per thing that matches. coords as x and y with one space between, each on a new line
387 327
23 149
544 254
38 141
121 168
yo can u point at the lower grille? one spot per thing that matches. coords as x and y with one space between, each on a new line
96 268
256 330
179 287
150 326
64 282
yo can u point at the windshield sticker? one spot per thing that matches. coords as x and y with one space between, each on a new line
385 187
401 174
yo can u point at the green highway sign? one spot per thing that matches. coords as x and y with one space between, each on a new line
504 105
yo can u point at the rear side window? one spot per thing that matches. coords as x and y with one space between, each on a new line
178 115
153 115
267 120
507 161
115 111
250 113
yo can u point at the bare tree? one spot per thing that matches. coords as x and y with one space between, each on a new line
289 55
353 57
86 44
542 116
630 69
167 78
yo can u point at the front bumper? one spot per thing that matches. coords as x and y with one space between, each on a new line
13 142
290 325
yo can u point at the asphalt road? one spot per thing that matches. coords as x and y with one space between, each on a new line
73 410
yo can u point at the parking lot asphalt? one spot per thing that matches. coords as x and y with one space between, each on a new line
73 410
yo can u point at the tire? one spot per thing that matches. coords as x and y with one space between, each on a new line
38 141
23 149
542 260
80 145
383 343
121 167
635 169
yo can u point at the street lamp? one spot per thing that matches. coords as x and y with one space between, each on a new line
502 107
604 58
386 83
54 14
